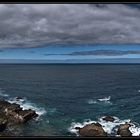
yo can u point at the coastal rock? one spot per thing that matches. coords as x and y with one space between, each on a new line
108 118
26 115
94 129
13 108
19 115
18 98
4 104
3 122
15 113
124 131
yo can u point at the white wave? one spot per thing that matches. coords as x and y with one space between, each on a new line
105 99
25 104
109 127
135 130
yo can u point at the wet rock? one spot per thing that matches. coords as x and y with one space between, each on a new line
124 131
26 115
18 98
20 116
15 113
94 129
77 128
108 119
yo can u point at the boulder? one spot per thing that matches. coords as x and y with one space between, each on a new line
21 116
94 129
108 119
26 115
18 98
124 131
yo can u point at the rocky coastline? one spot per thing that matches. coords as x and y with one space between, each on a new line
12 114
95 129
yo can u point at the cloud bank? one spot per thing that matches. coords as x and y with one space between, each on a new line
30 25
101 52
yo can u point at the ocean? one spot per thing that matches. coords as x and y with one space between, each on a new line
69 95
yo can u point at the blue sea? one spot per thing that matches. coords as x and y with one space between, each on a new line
69 95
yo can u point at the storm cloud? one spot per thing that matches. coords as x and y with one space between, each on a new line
30 25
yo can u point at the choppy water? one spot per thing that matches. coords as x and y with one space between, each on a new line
68 95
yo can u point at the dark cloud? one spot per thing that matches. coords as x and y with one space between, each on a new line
106 52
101 52
29 25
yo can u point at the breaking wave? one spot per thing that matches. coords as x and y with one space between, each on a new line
103 100
23 102
109 127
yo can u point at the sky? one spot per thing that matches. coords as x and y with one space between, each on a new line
69 32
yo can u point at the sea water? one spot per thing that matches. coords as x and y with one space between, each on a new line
69 95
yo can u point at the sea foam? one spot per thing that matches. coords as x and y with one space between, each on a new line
101 100
25 104
109 127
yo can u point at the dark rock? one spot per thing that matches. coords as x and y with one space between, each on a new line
15 113
13 108
124 131
77 128
93 129
26 115
109 119
21 116
4 104
18 98
3 123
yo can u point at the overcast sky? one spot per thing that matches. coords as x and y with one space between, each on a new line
69 31
30 25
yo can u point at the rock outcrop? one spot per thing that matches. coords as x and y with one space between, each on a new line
3 122
109 119
94 129
18 98
11 114
15 113
124 131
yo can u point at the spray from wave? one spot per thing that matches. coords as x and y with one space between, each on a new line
101 100
104 99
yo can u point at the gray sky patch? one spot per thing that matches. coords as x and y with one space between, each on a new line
29 25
